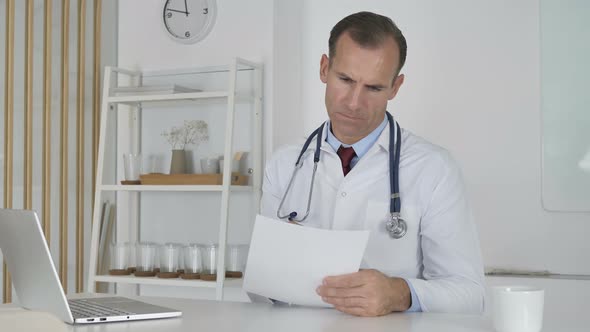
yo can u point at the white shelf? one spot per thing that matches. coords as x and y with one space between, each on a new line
167 97
152 90
242 65
237 283
165 92
179 187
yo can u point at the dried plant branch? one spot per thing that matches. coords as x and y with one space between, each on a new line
192 132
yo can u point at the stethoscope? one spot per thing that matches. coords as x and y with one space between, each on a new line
395 226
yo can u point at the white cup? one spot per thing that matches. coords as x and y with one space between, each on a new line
518 308
210 165
236 256
151 163
209 255
170 257
146 257
192 258
132 166
120 256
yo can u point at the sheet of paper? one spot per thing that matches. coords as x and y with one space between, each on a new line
287 262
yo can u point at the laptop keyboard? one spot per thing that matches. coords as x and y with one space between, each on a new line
83 308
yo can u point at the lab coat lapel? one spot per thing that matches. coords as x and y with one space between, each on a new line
374 165
330 166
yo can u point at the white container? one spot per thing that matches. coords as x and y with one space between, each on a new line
170 258
210 165
518 308
209 255
193 262
236 255
146 257
132 166
120 256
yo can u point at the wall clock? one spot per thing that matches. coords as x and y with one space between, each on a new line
189 21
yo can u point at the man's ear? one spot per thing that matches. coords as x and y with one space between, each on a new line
324 67
397 83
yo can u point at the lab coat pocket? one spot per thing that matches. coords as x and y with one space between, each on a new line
394 257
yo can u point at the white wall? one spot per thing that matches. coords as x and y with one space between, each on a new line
473 86
287 118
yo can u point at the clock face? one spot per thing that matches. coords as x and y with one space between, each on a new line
189 21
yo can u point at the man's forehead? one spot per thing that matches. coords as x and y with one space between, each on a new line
377 65
346 40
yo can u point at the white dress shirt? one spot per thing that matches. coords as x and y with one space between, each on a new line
440 254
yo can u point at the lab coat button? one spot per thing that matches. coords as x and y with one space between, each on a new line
343 194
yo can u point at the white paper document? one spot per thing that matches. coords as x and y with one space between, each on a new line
287 262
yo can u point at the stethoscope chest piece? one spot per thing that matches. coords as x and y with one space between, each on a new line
396 226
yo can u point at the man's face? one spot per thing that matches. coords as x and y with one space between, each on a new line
359 82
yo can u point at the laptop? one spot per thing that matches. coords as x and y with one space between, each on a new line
37 285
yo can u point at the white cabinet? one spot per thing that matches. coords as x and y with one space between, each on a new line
216 90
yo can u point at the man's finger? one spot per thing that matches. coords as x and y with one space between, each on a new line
356 311
340 292
349 302
355 279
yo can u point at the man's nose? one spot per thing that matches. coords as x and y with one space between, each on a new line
355 97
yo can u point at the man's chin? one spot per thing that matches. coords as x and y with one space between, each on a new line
346 132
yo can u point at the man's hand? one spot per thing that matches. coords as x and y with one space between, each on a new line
366 293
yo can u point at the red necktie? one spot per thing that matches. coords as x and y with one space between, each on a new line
346 155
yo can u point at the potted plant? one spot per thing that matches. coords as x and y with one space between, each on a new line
192 132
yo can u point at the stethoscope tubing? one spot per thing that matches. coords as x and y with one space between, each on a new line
394 200
394 160
298 164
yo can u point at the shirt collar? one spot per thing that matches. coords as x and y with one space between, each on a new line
361 147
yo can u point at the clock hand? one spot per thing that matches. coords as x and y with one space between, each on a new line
177 11
185 8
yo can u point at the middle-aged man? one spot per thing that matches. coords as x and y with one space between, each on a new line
436 265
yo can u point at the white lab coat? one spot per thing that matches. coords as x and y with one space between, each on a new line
440 254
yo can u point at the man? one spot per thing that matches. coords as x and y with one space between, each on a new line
437 265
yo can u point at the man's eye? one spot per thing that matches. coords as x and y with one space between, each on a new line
345 79
375 89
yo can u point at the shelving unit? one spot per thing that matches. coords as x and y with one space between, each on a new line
110 101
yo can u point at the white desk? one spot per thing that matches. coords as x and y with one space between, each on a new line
566 311
206 316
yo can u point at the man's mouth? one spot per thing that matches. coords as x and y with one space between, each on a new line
349 116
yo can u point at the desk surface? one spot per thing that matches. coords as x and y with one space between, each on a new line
201 315
564 312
